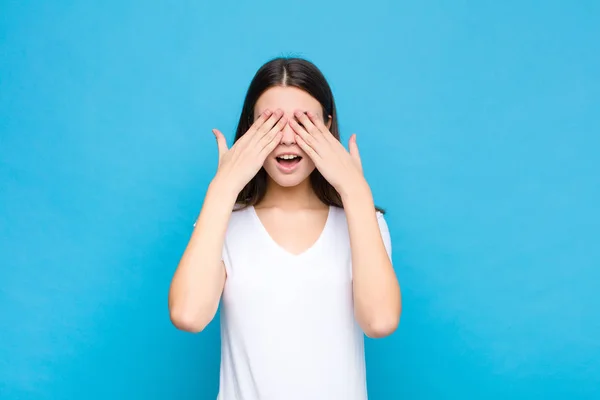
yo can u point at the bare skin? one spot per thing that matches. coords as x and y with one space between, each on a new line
308 217
295 127
199 279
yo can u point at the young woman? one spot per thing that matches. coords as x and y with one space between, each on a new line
290 242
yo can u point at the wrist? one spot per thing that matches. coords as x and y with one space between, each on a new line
223 190
357 188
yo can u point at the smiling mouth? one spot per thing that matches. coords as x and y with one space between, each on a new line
288 161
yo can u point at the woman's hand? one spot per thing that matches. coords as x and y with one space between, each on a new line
238 165
341 168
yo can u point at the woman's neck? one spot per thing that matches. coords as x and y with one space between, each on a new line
301 196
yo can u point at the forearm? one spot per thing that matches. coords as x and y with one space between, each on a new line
376 290
198 281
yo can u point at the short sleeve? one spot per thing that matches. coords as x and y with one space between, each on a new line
225 257
385 233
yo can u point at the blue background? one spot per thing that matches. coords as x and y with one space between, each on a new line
479 128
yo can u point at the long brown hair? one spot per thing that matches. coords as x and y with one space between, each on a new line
304 75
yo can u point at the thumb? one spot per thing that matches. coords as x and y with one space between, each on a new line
221 142
353 148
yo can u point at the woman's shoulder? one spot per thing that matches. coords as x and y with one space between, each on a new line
240 212
341 212
341 221
240 207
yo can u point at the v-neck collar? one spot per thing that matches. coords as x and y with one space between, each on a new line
274 243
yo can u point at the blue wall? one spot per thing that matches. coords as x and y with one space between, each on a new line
479 129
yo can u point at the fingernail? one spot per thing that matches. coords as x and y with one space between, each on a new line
267 112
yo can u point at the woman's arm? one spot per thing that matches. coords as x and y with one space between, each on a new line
377 302
198 281
377 298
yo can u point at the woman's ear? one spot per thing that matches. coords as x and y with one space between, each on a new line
329 121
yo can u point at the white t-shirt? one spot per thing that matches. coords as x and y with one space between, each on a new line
288 330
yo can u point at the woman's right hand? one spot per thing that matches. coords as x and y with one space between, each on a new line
238 165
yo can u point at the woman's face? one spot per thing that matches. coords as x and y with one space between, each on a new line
288 165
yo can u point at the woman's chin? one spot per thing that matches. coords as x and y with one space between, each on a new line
290 179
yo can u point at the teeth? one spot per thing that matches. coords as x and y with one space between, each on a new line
288 156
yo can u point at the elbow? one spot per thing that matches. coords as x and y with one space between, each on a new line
187 321
383 323
191 314
382 327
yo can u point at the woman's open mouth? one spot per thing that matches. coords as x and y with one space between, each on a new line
288 162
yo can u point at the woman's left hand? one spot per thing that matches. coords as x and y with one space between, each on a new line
341 168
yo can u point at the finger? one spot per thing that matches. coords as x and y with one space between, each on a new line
221 142
307 148
353 149
307 123
266 139
320 124
270 146
260 121
300 131
269 124
317 121
250 133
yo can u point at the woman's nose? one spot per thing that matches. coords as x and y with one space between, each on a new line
288 135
